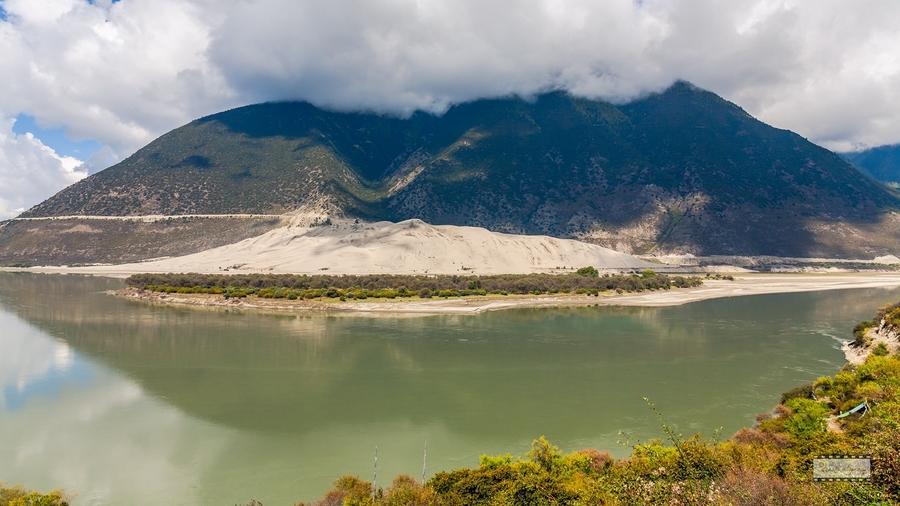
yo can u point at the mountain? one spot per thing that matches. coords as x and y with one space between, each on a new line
679 171
882 163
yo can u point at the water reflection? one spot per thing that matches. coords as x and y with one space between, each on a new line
32 365
214 407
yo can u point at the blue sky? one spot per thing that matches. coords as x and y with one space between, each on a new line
56 138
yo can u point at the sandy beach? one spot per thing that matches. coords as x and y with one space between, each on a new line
745 284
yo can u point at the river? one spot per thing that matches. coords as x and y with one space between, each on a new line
121 402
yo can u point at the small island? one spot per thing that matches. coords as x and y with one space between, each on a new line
399 293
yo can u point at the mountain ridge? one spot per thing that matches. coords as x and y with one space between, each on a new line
880 162
682 170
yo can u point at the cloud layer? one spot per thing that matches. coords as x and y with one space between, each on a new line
126 72
31 171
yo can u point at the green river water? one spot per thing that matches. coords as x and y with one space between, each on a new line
118 402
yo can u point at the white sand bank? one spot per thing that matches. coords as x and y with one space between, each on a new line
408 247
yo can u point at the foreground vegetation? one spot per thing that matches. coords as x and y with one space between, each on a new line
288 286
888 317
769 464
17 496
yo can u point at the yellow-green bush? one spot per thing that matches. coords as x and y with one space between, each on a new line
17 496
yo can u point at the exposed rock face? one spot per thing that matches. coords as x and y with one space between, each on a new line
885 331
888 332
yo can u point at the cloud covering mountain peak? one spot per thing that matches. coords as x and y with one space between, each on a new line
123 73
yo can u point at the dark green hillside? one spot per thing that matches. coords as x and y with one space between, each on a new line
265 158
882 163
683 170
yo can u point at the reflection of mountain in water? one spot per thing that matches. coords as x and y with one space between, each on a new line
517 373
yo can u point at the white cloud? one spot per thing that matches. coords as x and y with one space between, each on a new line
121 73
126 72
827 69
405 54
31 171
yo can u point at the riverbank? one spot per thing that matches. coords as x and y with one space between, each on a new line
815 447
880 336
744 284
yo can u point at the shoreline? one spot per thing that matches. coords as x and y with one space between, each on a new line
743 284
877 334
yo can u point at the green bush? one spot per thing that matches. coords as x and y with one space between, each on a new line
648 273
588 271
859 333
807 418
801 392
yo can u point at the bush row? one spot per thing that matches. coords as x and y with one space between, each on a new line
393 286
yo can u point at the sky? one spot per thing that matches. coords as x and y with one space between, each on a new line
85 84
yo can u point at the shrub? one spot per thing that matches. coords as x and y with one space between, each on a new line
801 392
353 491
860 338
891 316
807 418
391 286
698 460
545 454
588 271
750 487
886 473
17 496
405 491
593 460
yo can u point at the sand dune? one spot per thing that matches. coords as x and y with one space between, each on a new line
408 247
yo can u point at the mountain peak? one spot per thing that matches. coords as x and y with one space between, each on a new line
682 170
